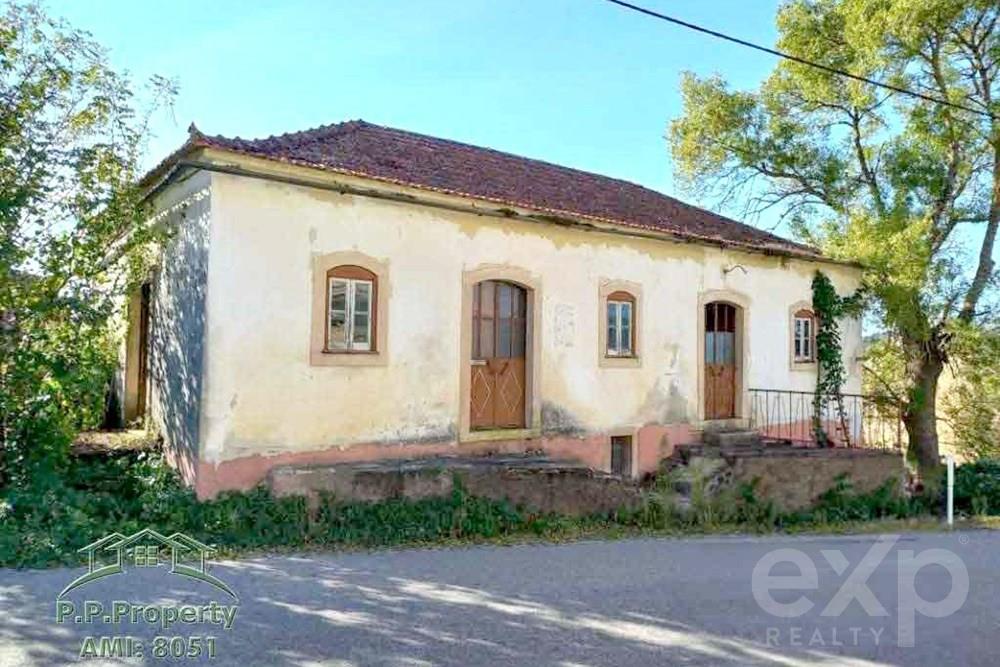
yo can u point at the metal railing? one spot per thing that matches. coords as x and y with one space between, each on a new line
863 421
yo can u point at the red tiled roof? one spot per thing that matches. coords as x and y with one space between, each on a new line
406 158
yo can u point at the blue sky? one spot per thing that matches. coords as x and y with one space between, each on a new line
577 82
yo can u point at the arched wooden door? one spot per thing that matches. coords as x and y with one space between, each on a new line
721 360
499 331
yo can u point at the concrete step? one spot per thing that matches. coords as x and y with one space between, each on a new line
683 454
732 438
734 424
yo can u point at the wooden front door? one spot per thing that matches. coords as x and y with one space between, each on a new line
720 360
499 331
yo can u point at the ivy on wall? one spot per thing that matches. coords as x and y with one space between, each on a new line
829 308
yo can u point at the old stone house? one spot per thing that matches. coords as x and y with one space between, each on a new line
355 292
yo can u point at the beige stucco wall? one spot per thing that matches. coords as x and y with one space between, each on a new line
262 396
177 320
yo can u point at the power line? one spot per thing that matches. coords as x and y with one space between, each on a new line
802 61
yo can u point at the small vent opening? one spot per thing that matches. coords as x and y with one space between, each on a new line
621 455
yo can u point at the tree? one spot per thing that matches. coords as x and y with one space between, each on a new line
971 404
907 186
71 221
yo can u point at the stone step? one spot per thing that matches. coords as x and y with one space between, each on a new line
734 424
683 454
732 438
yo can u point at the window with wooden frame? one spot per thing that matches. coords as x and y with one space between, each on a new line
620 311
351 298
499 320
804 337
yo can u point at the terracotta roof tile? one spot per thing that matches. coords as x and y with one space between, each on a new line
420 161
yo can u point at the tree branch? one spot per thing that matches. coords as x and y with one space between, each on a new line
984 269
866 173
888 387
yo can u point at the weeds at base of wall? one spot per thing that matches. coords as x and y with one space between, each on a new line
739 507
977 488
44 526
47 525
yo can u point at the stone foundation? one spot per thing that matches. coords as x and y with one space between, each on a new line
796 478
537 483
653 442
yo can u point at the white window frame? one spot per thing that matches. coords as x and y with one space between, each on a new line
804 339
349 313
614 347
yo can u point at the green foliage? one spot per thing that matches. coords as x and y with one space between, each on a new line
753 511
977 487
841 504
400 521
71 221
829 308
50 518
47 522
971 402
741 508
884 363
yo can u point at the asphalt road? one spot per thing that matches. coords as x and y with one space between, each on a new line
632 602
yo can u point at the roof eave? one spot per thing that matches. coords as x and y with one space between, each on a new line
161 175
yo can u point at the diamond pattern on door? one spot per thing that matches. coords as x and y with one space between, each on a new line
511 391
482 395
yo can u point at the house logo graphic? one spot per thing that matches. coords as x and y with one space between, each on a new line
147 548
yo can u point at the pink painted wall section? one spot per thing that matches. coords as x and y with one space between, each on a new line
654 443
186 465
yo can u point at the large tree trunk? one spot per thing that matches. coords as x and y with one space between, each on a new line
925 363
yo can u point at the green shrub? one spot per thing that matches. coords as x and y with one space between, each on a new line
399 521
977 487
46 523
753 511
841 504
971 403
77 233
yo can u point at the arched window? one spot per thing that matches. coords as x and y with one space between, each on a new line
351 298
620 324
804 336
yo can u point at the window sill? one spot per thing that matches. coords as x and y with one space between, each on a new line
805 366
347 358
609 361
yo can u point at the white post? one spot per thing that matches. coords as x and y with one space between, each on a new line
951 490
